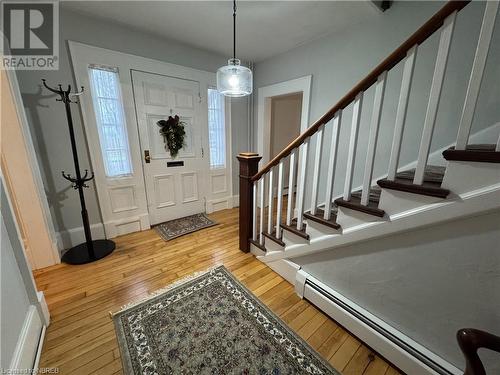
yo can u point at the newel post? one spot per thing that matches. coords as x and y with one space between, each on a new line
249 165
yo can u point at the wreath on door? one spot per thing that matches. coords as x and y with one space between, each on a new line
173 134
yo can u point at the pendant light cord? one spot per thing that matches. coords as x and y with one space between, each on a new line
234 29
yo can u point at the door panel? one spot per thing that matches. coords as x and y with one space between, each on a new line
172 191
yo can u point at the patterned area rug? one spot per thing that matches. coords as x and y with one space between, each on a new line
210 324
179 227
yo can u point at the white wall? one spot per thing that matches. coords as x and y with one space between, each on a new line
338 61
14 300
427 283
23 310
47 119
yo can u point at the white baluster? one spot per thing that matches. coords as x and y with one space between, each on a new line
301 185
353 141
317 162
270 204
291 183
332 162
404 96
372 138
434 97
261 192
280 198
254 216
483 47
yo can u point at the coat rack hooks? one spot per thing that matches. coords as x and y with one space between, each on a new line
90 250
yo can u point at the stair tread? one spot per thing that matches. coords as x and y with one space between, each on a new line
432 189
293 228
432 173
375 192
478 147
433 177
318 217
272 236
355 204
476 152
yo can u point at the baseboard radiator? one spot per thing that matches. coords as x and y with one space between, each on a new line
399 349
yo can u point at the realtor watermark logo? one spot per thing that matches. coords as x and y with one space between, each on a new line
30 35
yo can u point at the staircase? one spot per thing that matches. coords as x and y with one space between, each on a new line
275 226
278 227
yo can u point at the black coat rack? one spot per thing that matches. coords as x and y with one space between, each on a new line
90 250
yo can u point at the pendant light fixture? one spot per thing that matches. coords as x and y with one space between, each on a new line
234 79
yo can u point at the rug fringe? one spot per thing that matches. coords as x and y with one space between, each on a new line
164 289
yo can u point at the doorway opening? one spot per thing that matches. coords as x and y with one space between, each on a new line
285 126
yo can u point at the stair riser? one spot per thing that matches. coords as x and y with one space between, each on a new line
348 218
395 202
463 176
315 229
290 238
272 246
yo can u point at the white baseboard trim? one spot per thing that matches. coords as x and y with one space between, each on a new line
236 201
362 323
44 308
74 236
214 205
28 343
40 347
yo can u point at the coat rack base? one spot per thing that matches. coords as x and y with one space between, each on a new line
80 255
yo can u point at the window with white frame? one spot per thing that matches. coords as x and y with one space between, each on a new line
216 129
110 119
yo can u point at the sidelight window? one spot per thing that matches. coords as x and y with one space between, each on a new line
216 129
110 119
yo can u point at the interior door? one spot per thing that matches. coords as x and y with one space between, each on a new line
174 187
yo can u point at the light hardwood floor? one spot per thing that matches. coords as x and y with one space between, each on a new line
81 337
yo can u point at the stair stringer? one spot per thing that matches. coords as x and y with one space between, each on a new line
462 205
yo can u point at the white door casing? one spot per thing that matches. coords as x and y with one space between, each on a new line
172 191
123 201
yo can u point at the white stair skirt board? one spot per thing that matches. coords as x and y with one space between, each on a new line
315 229
348 218
409 356
285 269
464 176
466 204
29 341
395 201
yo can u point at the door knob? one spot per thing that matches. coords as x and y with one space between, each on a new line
147 157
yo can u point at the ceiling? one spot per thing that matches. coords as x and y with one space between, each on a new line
264 28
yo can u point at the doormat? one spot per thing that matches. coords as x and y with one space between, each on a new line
179 227
210 323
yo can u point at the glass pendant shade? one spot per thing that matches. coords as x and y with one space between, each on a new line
234 80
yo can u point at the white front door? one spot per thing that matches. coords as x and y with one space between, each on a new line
174 187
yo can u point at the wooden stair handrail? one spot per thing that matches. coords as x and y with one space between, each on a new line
424 32
470 340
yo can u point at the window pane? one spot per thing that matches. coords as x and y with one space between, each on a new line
110 119
216 129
